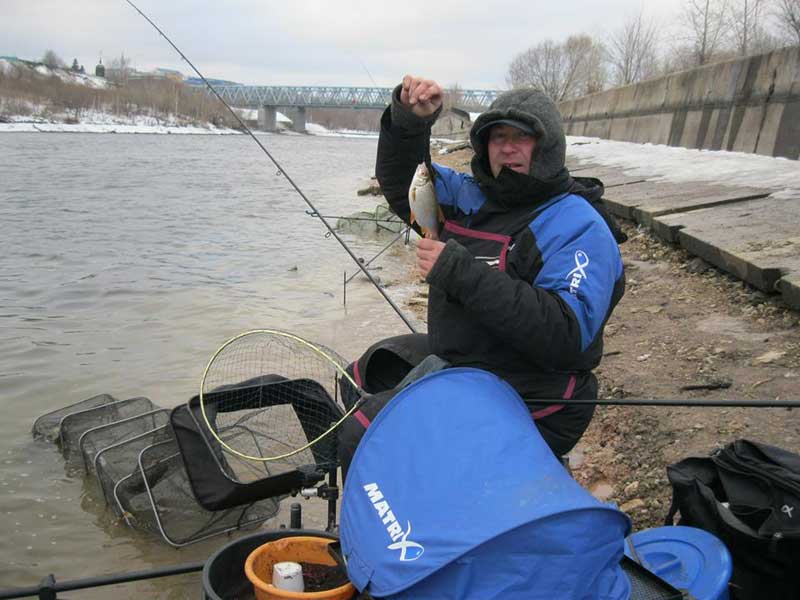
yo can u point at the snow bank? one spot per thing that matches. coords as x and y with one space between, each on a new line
29 127
681 165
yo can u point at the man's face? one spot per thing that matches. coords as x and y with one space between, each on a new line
510 147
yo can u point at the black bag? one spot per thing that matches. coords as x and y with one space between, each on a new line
381 372
748 495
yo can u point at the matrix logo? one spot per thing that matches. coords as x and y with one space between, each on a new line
578 274
408 550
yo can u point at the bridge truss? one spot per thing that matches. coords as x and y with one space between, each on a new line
254 96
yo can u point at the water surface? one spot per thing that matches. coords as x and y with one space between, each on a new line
125 261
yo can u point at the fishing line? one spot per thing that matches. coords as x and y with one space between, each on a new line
281 170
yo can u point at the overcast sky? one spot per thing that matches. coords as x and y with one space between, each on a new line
307 42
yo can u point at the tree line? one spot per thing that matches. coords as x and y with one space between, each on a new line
26 92
705 31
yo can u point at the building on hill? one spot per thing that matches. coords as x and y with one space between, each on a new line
168 74
100 69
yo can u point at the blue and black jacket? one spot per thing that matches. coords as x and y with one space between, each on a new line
523 288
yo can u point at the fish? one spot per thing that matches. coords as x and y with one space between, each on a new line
425 209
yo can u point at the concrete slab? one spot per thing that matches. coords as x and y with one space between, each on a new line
610 176
756 240
642 202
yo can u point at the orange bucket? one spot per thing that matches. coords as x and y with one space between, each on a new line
308 549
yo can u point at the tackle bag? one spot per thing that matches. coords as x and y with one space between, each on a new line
748 495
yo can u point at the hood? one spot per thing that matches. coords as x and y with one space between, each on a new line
539 112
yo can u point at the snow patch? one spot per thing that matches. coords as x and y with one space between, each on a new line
30 127
6 66
682 165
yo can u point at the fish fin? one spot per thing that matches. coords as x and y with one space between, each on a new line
441 215
413 218
426 232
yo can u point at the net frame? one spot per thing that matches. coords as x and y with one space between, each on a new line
106 462
75 424
48 425
89 447
333 360
320 455
213 522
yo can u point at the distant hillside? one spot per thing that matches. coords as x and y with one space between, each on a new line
33 91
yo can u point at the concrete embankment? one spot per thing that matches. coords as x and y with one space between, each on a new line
750 104
750 232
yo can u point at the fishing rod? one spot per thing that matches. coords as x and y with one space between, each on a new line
680 402
281 170
384 249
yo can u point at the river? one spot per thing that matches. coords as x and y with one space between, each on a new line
125 261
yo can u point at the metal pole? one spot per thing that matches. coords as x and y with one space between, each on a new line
366 264
49 586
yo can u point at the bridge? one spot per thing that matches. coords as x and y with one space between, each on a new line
294 100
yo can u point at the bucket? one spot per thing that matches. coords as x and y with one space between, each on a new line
299 549
223 574
687 558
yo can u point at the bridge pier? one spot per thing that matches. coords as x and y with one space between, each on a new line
298 116
267 117
267 120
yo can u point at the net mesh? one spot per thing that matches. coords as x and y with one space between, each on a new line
166 472
271 395
75 424
120 461
646 586
158 497
97 438
48 426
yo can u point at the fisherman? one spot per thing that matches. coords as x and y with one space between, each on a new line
526 268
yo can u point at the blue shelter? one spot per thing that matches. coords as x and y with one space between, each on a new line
452 493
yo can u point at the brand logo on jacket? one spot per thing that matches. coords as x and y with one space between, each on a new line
578 274
408 550
492 261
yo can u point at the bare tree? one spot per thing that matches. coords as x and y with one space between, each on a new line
562 71
788 15
52 60
595 69
120 69
707 23
452 96
633 51
678 58
747 30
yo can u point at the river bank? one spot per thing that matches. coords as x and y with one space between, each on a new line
683 330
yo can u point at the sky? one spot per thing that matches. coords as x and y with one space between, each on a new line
312 42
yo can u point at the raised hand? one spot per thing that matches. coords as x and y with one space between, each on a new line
422 96
428 252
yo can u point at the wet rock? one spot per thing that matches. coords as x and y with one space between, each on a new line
373 189
697 266
769 357
602 491
635 504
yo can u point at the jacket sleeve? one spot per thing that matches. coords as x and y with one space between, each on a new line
404 142
551 320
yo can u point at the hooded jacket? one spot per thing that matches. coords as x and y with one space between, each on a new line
531 269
